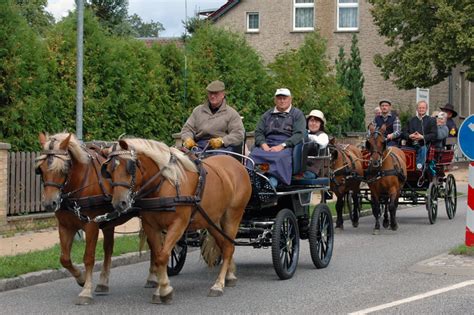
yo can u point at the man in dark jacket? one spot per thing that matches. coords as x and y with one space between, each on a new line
420 132
390 120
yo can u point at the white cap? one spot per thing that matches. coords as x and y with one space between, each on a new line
283 91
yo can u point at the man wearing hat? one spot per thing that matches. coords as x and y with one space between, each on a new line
388 118
449 110
214 122
277 132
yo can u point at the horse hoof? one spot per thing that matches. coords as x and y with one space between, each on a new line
355 224
394 227
215 292
385 224
83 300
230 283
151 284
167 299
376 232
80 283
155 299
101 289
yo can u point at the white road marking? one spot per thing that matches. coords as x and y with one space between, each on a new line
414 298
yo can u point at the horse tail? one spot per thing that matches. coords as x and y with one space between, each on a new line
210 251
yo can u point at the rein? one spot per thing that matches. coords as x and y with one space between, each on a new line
161 203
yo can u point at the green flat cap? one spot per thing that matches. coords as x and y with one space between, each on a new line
216 86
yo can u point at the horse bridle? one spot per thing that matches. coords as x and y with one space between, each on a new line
345 170
132 166
372 150
49 155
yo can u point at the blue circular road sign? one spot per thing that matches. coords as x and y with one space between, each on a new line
466 137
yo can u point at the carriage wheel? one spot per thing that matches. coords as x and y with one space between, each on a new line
450 197
177 257
321 236
432 202
285 244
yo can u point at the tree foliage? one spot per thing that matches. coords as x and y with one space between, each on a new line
35 14
218 54
428 38
307 74
24 78
144 29
349 75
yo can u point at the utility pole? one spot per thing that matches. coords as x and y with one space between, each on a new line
79 80
79 69
185 100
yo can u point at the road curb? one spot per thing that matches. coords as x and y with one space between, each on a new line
38 277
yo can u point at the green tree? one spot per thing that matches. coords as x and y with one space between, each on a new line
112 15
25 78
307 74
194 23
214 53
36 15
349 75
428 38
144 29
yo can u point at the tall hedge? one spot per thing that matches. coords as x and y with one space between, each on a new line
218 54
24 80
307 74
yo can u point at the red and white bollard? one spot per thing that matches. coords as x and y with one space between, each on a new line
470 208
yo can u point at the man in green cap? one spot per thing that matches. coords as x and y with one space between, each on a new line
214 122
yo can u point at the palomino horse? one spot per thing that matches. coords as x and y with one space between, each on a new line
346 175
385 175
180 195
75 191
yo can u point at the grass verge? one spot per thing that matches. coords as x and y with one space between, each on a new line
13 266
463 250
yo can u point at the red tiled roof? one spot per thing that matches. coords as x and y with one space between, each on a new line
222 10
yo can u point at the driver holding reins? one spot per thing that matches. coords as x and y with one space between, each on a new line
213 123
391 121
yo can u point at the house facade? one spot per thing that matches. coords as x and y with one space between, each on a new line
273 26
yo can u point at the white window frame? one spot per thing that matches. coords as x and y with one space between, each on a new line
299 6
347 5
253 30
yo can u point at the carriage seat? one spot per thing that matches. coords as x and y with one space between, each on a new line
305 153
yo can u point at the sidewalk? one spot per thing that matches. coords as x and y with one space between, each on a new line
31 241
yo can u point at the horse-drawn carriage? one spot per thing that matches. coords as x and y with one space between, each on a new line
421 186
279 217
176 196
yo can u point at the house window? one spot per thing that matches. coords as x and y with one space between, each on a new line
347 15
253 22
303 15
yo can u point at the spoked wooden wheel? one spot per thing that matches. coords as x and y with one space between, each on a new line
285 244
432 202
321 236
450 196
177 257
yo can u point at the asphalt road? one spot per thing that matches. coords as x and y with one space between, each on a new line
366 271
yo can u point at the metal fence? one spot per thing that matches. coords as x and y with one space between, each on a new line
24 186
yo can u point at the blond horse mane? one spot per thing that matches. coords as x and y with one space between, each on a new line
74 148
160 153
